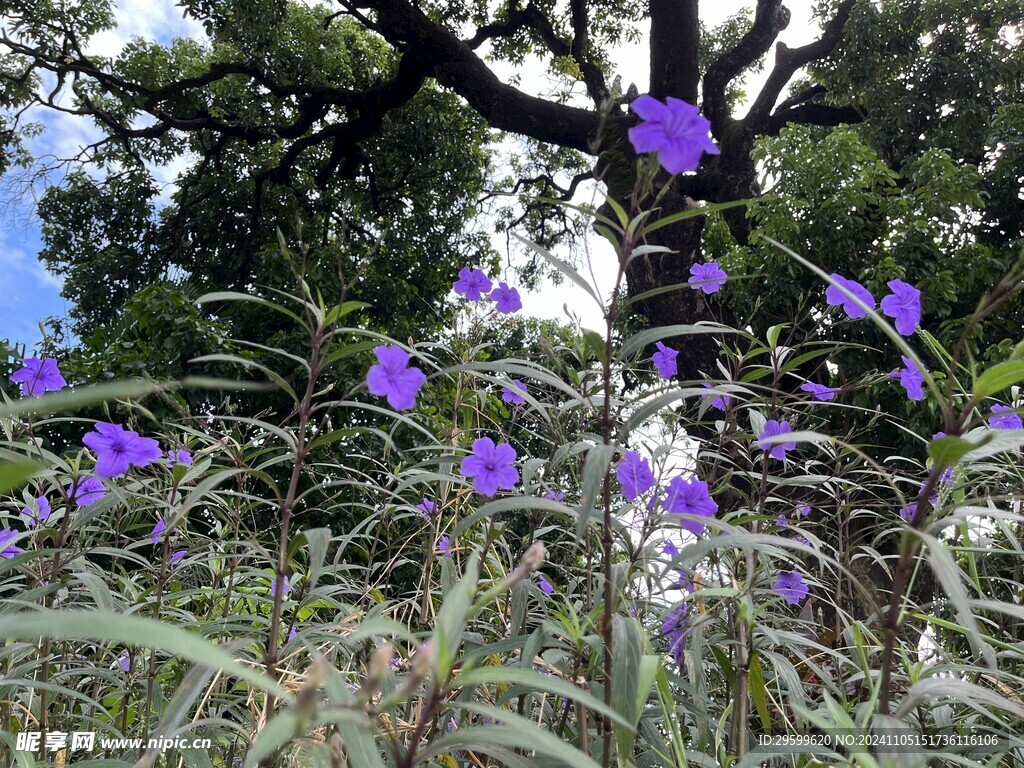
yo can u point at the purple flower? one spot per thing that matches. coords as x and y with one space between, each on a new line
490 466
39 376
472 284
781 520
665 361
7 548
790 586
444 546
773 428
721 402
675 130
911 379
946 478
118 448
124 662
392 377
1003 417
293 633
544 584
513 392
835 297
285 586
670 548
820 391
176 556
83 491
908 512
179 456
426 507
634 474
803 509
33 519
690 497
802 540
904 306
555 496
506 299
675 630
158 532
707 277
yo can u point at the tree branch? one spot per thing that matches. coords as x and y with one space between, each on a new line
789 60
770 18
443 56
814 114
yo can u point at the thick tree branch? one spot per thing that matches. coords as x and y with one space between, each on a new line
675 35
789 60
442 55
814 114
534 18
770 18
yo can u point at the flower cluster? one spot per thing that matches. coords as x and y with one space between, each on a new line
474 283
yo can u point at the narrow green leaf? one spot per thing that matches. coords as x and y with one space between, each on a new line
563 267
14 474
997 378
79 397
947 451
133 630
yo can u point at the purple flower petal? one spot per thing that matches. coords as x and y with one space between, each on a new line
39 376
490 466
790 586
675 130
7 548
819 391
690 496
392 378
836 297
117 449
665 361
634 475
707 277
1004 417
506 299
513 393
472 284
903 305
773 428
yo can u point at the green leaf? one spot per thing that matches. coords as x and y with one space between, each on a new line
79 397
535 681
133 630
947 451
275 734
563 267
594 469
997 378
14 474
633 675
758 692
642 339
451 619
692 213
511 734
218 296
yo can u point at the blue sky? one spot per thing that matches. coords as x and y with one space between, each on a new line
29 293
